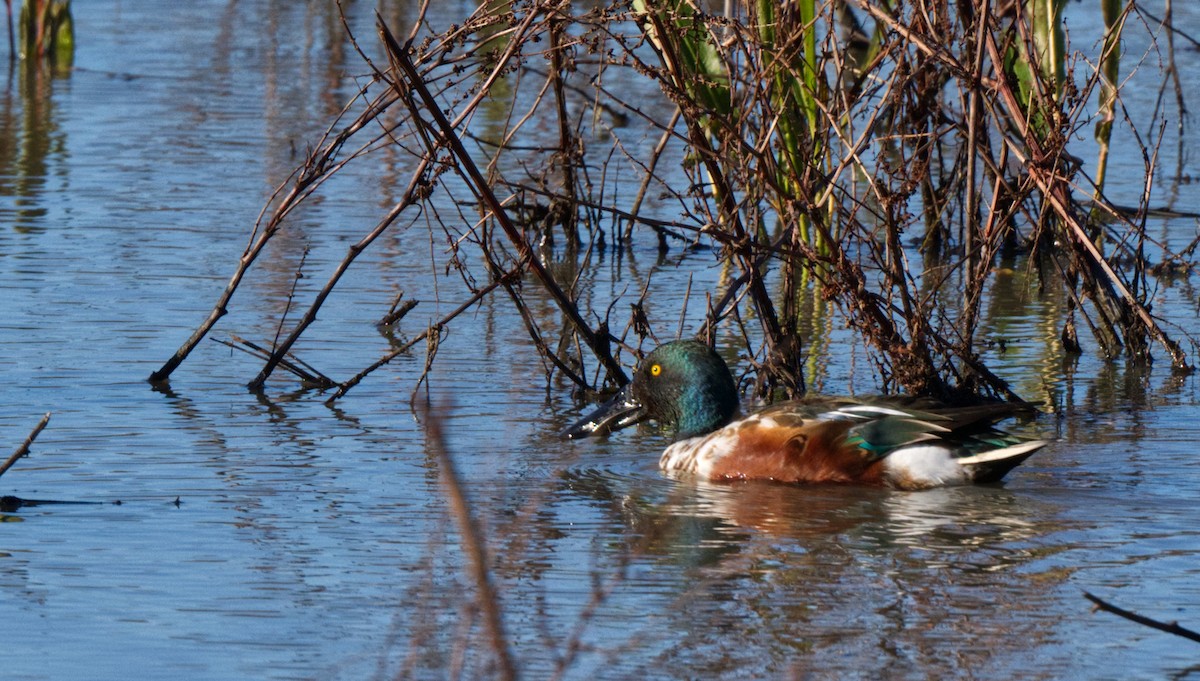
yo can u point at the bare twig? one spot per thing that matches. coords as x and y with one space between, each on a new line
1170 628
349 384
321 162
447 135
802 202
296 366
23 450
412 194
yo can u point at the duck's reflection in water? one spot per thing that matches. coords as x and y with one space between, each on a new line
681 515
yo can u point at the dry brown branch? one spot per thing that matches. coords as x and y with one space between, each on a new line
1036 162
479 295
398 311
885 187
445 132
320 164
1170 628
412 194
23 450
730 215
307 374
418 188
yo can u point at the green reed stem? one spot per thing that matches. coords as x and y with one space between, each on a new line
1110 69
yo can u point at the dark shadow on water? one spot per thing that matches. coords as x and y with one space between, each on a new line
10 504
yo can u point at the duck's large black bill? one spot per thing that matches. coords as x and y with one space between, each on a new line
622 411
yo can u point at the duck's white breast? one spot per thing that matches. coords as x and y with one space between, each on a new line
699 454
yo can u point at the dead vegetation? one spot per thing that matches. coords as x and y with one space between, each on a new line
879 155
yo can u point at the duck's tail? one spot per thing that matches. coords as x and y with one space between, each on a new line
993 465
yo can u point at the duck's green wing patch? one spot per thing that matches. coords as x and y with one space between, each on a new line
881 435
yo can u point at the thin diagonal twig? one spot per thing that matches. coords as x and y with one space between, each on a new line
23 450
445 130
1170 628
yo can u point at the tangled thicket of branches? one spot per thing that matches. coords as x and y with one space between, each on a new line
880 154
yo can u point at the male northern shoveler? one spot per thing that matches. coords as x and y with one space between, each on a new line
906 444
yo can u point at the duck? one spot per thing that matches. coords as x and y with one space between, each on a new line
898 442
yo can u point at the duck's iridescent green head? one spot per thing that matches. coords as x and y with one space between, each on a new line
684 385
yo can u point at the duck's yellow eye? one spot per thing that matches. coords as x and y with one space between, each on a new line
655 369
